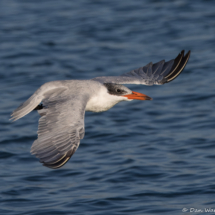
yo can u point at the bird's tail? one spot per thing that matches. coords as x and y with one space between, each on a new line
28 105
44 91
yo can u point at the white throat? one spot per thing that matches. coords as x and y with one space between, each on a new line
103 101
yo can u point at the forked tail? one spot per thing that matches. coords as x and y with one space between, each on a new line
35 99
27 106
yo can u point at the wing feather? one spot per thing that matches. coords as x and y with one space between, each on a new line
159 73
60 129
180 68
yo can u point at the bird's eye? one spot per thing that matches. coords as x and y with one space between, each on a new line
118 90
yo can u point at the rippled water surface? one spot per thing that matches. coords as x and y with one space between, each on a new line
140 157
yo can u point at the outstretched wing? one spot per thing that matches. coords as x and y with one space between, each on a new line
60 129
158 73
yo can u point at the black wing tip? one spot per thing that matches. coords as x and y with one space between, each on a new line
60 162
178 66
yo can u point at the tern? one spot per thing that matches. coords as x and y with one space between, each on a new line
62 106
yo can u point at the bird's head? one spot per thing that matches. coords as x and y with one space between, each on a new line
124 93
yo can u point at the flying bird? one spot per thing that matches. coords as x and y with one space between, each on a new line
62 106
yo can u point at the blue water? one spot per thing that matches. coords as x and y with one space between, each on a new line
140 157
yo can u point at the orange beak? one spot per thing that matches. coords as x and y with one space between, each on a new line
138 96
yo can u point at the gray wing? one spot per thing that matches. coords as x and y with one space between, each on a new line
158 73
60 129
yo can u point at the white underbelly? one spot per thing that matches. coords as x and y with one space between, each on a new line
100 105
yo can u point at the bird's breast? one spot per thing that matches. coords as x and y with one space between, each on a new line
100 104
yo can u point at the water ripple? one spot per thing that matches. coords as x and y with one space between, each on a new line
152 157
